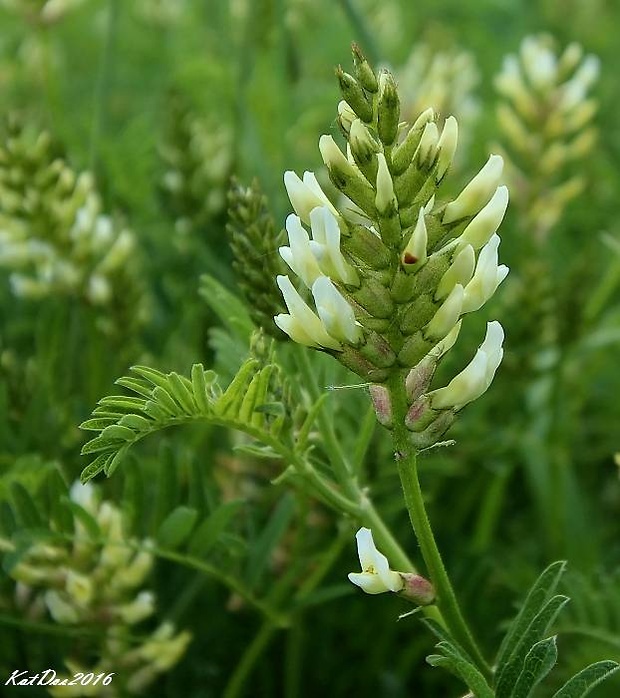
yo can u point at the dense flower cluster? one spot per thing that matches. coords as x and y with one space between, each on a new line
546 121
97 580
388 293
55 238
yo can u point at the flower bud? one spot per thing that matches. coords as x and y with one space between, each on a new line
403 153
381 402
428 145
306 195
388 108
477 193
447 146
459 272
447 316
417 589
385 200
61 611
365 74
415 255
354 95
346 116
485 224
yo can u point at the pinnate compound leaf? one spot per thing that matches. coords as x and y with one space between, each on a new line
170 399
582 683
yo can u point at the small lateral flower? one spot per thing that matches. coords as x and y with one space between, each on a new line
376 576
475 379
302 325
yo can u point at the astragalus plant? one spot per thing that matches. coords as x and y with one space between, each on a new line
386 297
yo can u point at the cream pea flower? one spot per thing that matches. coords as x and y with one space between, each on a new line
376 575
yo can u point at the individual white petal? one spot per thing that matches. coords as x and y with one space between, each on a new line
305 317
477 193
447 146
459 272
294 329
447 316
486 279
486 223
336 314
369 582
298 255
305 195
326 247
492 347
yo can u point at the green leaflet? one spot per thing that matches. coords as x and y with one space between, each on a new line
538 663
176 527
539 594
513 669
208 532
582 683
455 659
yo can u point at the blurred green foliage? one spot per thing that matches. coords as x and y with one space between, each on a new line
532 477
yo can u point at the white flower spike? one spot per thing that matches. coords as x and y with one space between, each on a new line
376 576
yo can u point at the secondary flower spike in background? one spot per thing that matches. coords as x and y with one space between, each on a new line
390 290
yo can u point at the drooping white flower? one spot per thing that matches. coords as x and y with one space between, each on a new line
306 194
486 223
487 277
477 193
376 576
298 254
325 246
475 379
334 311
301 324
